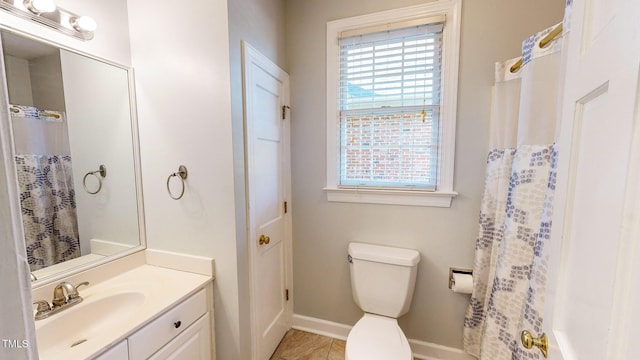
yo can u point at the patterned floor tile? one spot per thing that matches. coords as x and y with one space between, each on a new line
337 350
300 345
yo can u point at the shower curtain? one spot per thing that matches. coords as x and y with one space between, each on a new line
515 218
45 180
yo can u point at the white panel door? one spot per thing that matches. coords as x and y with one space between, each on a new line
268 184
595 267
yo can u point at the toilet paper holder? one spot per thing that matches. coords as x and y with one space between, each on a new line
457 271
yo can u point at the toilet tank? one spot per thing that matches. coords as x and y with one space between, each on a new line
383 278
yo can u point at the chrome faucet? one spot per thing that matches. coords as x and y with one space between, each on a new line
65 295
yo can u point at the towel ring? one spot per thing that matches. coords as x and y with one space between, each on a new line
102 171
182 174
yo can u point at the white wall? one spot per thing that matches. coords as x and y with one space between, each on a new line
260 23
112 42
492 30
181 57
99 125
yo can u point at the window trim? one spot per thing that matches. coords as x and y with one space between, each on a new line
451 47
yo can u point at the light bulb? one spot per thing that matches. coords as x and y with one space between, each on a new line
40 6
84 24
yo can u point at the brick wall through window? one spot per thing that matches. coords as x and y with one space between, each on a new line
388 149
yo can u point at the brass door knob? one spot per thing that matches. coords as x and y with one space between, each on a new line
264 240
528 341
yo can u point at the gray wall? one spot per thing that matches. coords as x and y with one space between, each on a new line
492 30
46 82
18 80
35 82
261 23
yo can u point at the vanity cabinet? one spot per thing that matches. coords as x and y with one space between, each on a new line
166 327
117 352
193 343
181 333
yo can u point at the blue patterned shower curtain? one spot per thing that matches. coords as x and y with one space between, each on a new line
515 218
47 195
47 200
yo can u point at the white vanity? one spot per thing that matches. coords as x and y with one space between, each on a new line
134 308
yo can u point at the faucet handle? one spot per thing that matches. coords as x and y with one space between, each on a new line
84 283
44 310
42 305
76 294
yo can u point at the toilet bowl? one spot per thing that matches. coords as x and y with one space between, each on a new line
382 283
376 337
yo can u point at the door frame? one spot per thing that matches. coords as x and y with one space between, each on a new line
252 56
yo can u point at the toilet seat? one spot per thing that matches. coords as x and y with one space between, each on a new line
376 337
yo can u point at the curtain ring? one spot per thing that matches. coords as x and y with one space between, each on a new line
182 174
102 171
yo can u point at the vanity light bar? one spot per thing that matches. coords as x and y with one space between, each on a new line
40 6
45 12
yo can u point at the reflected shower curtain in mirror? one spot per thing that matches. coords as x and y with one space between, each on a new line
45 180
515 218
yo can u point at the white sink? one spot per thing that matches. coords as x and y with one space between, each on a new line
112 310
88 321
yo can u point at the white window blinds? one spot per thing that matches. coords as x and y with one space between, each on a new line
389 98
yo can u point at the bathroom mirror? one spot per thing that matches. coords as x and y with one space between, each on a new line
75 146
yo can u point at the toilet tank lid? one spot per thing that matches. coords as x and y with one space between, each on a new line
384 254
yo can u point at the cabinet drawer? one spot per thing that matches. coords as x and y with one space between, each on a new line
117 352
193 344
160 331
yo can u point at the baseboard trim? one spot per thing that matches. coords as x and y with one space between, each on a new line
421 349
321 327
429 351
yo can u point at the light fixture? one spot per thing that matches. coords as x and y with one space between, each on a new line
45 12
40 6
83 24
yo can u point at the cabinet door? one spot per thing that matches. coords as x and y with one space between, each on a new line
118 352
167 327
193 344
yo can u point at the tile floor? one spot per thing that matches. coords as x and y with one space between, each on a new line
301 345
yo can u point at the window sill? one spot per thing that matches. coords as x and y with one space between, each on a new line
391 197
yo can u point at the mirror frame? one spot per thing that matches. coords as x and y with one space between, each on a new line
5 117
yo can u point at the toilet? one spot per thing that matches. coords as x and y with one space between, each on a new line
382 283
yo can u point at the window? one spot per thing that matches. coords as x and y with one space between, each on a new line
391 88
389 98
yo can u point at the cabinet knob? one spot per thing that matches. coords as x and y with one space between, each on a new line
177 324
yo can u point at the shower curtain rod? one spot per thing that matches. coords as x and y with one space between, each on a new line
44 113
544 42
15 110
